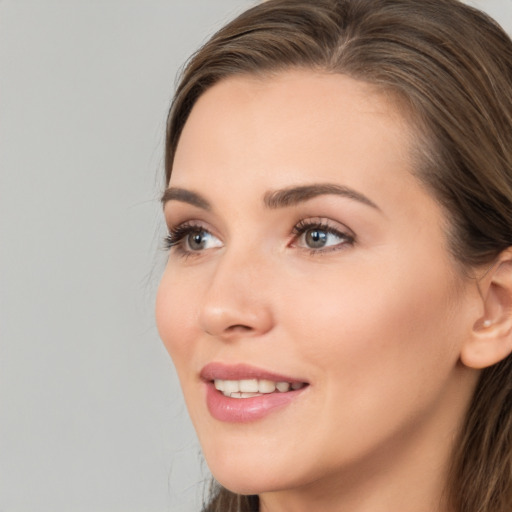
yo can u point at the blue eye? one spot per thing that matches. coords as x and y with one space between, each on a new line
317 238
201 240
190 238
318 235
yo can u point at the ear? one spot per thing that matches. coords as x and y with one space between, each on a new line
490 340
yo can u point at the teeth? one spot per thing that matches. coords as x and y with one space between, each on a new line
247 388
231 386
266 386
283 387
219 384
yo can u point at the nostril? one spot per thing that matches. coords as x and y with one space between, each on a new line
232 329
239 328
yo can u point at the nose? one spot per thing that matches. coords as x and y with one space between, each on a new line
237 300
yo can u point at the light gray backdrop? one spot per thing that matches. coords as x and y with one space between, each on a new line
91 417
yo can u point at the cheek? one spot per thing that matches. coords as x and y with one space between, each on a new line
174 319
382 351
378 329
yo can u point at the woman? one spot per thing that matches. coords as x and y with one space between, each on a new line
338 295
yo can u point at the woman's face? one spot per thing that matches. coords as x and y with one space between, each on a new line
306 255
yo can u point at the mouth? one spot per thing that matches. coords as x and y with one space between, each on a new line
250 388
243 393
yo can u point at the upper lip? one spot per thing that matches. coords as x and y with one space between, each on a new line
213 371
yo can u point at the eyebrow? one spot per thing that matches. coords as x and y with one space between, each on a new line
277 199
185 196
294 195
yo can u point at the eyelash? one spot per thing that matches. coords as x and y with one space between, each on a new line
321 225
177 235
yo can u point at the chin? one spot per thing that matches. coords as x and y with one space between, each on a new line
269 471
250 474
249 482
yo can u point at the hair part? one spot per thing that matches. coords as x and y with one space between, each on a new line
449 66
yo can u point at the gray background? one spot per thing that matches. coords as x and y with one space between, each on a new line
91 417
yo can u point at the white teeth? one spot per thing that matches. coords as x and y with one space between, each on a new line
247 388
249 385
283 387
244 395
266 386
231 386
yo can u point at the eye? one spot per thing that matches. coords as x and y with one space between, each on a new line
189 238
201 240
318 238
319 235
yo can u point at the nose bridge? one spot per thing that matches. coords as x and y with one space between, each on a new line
237 299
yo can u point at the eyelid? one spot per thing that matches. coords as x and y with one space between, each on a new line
177 234
327 225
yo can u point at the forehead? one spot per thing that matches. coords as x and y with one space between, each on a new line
288 126
319 101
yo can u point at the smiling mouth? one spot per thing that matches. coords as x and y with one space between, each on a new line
241 393
249 388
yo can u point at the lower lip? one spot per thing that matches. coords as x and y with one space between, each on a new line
244 410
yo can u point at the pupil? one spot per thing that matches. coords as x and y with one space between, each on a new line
196 240
316 238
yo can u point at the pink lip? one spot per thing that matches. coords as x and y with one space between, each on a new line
214 371
243 410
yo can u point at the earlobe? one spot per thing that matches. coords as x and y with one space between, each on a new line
490 340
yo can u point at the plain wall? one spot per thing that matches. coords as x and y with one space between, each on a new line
91 416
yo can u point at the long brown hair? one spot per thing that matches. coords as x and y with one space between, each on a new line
450 68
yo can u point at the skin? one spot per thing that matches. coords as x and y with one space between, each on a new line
375 325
